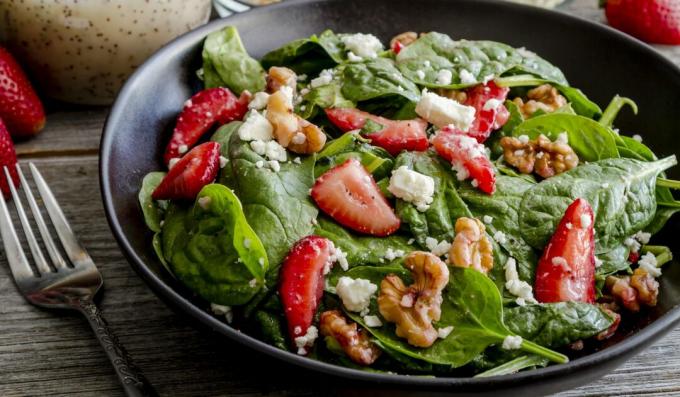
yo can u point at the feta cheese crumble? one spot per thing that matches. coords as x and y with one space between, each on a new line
355 293
499 237
521 289
372 321
512 342
391 254
362 45
466 77
442 333
586 221
444 77
182 149
204 202
561 262
524 138
223 161
562 137
172 162
306 340
487 219
256 127
412 186
442 111
221 310
493 104
274 165
325 78
352 57
274 151
648 263
420 74
259 101
438 248
337 255
637 137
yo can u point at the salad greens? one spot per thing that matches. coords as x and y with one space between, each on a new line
229 244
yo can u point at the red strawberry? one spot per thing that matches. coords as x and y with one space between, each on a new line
8 158
397 135
200 113
490 113
566 271
193 171
397 46
20 106
633 257
349 195
467 156
302 283
653 21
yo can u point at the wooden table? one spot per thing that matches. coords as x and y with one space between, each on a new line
44 353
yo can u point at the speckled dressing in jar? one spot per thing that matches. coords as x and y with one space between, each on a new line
82 51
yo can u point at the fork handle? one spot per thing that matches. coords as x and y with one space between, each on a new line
131 378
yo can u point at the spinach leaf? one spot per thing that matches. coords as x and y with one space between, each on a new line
557 324
503 207
472 305
227 63
376 160
621 192
578 100
276 204
589 139
272 329
614 108
360 250
151 209
630 148
157 244
516 365
324 97
376 78
223 137
213 250
439 219
613 261
471 62
308 56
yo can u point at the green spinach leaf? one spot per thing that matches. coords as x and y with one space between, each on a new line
613 261
376 78
223 137
227 63
614 108
151 209
376 160
308 56
324 97
515 365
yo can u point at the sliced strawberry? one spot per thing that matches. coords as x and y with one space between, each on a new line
349 195
200 113
397 135
20 106
467 156
302 282
193 171
490 113
397 46
566 271
8 158
633 257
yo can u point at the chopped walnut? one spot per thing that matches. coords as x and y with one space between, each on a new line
633 291
611 309
413 308
457 95
355 343
278 77
544 97
471 246
405 38
540 155
290 130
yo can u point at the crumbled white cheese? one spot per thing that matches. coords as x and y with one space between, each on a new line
493 104
259 164
569 225
420 74
520 289
256 127
172 162
519 152
261 262
352 57
598 262
642 237
307 340
221 310
204 202
391 254
325 78
562 137
466 77
412 186
561 262
487 219
648 263
586 221
539 155
442 111
444 77
632 244
438 248
274 151
512 342
411 241
355 293
524 138
461 172
258 146
337 255
297 160
474 183
637 137
500 237
362 45
274 165
246 242
259 101
223 161
372 321
605 185
442 333
182 149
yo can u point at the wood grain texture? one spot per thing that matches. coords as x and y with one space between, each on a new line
55 354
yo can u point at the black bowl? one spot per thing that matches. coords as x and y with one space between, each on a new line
601 61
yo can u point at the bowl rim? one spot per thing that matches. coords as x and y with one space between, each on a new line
632 343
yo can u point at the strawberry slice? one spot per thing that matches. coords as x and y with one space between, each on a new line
193 171
397 135
397 46
20 106
200 113
349 195
490 113
653 21
8 158
301 285
467 156
566 271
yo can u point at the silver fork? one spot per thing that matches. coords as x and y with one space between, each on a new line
62 285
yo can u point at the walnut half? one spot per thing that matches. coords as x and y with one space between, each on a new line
355 343
278 77
413 308
633 291
404 38
544 97
471 246
540 155
290 130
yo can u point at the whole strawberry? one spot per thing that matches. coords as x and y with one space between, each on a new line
653 21
20 106
8 158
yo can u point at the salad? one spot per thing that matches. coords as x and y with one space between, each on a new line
441 207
